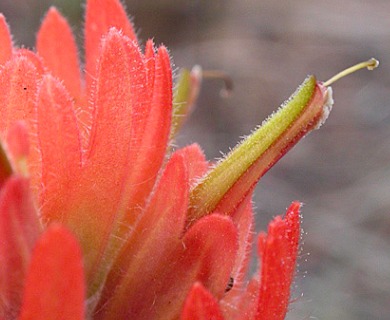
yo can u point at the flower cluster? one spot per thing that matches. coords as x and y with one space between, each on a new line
99 218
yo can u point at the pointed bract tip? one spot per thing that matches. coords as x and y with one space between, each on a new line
5 41
200 305
278 251
53 10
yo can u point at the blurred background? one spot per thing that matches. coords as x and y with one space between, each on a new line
341 173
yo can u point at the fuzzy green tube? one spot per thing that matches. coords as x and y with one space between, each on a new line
211 189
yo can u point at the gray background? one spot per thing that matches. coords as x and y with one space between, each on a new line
341 172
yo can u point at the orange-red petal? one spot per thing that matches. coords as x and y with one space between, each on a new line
243 219
59 144
200 305
151 123
32 58
126 149
150 62
278 251
120 92
18 86
19 229
100 16
19 80
151 242
57 46
5 40
55 286
196 162
98 194
207 255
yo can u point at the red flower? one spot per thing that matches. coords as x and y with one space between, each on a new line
115 225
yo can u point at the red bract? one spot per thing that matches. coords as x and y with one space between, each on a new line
115 225
54 287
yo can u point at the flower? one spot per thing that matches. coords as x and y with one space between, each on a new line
99 218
